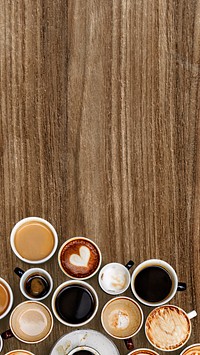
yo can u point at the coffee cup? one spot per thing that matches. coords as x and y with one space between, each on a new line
168 327
75 303
33 240
193 349
143 351
35 283
114 278
79 258
30 322
87 350
6 298
19 352
154 282
122 318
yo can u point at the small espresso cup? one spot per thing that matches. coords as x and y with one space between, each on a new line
114 278
143 351
122 318
6 298
35 283
75 303
30 322
79 258
193 349
83 350
34 240
154 282
19 352
168 327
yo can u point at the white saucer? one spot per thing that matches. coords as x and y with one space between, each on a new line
87 337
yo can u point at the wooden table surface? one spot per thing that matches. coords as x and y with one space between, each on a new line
100 135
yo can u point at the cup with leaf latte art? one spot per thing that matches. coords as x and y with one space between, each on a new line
193 349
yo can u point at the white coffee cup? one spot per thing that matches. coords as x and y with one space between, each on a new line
84 347
114 278
176 286
67 287
143 351
19 352
24 276
24 222
190 350
9 290
1 343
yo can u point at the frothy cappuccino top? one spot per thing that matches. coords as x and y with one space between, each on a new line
19 352
79 258
114 278
194 350
143 352
167 327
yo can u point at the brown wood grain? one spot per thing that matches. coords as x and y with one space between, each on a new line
99 134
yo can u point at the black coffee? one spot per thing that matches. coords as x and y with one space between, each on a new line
37 286
75 304
83 352
153 284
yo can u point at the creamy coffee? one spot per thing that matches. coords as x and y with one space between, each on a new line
79 258
4 298
31 322
114 278
143 352
19 352
121 317
34 240
168 327
193 350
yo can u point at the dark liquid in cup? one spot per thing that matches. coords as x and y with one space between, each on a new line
83 352
153 284
75 304
37 286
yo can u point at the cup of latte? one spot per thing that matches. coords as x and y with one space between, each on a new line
122 318
168 327
19 352
34 240
193 349
79 258
6 298
30 322
143 351
75 303
154 282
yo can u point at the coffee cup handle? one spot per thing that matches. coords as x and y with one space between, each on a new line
129 344
192 314
181 286
19 272
129 264
7 334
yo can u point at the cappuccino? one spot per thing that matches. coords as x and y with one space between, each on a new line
122 317
79 258
19 352
143 352
4 298
192 350
168 327
114 278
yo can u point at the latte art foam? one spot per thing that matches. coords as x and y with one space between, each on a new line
114 278
167 327
194 350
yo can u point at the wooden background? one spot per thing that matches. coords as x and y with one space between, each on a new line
100 135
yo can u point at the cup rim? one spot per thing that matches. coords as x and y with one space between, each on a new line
133 301
37 219
26 341
189 347
158 262
23 278
83 347
142 349
1 343
113 292
65 272
189 334
26 352
74 282
11 297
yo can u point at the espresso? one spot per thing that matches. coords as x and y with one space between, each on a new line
79 258
168 327
83 352
4 298
31 322
121 317
36 286
75 304
193 350
153 284
34 240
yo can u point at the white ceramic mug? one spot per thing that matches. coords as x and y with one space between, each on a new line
25 222
191 350
24 275
65 287
176 286
83 348
10 303
142 351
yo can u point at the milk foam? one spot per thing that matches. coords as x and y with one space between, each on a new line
82 259
114 278
118 319
32 322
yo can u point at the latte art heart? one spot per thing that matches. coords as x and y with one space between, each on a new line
82 259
